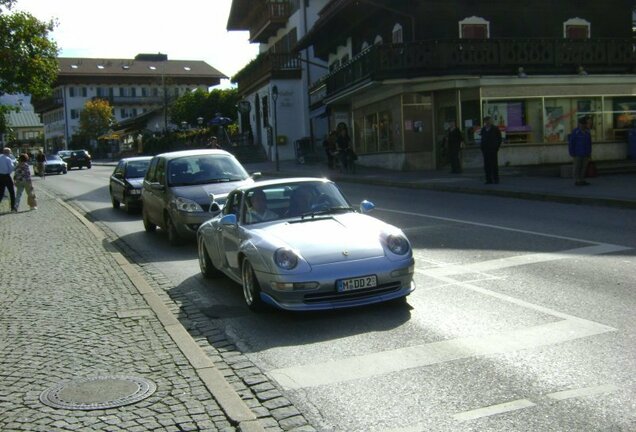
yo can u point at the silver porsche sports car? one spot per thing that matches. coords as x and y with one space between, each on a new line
297 244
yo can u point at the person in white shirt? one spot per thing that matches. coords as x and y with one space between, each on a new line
257 210
6 168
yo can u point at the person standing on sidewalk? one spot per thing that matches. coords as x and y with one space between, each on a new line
454 140
22 179
580 148
490 143
6 168
343 142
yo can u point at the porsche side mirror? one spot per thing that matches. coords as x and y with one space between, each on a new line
366 206
228 220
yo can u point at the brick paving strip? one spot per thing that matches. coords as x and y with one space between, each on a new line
67 312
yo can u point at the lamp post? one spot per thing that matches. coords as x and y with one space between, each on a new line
275 98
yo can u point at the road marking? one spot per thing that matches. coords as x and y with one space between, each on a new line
381 363
493 410
585 391
484 225
519 260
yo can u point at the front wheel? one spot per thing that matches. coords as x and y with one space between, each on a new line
173 235
115 202
251 289
205 263
148 226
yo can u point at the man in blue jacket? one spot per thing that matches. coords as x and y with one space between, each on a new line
580 148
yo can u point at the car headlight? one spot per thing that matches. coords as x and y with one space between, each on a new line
397 244
186 205
285 258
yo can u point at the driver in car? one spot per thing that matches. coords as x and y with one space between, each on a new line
257 210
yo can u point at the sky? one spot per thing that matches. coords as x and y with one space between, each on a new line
183 29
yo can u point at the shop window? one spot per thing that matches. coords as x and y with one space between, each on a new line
370 136
397 35
510 118
576 28
474 28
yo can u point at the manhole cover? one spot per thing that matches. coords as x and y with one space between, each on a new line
100 392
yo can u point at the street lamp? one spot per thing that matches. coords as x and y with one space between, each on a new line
275 98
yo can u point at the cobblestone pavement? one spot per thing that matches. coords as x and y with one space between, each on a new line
73 307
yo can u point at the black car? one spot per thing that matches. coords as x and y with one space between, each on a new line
54 164
126 182
78 159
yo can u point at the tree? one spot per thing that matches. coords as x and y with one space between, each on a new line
199 103
27 56
28 61
95 119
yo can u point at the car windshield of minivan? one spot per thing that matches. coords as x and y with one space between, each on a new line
204 169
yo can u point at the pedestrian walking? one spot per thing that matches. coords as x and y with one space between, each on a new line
580 148
454 141
6 168
22 181
40 161
345 152
329 144
490 143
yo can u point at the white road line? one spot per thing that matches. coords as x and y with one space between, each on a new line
493 410
499 227
585 391
380 363
519 260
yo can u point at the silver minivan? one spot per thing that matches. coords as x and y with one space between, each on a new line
183 189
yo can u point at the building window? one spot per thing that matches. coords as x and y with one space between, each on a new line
84 92
133 92
74 114
576 28
474 28
71 91
123 91
144 91
397 35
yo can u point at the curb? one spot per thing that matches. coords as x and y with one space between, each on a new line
236 410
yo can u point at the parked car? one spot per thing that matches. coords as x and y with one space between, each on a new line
78 159
55 164
310 250
64 154
126 181
177 190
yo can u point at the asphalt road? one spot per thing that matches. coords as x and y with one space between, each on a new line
523 317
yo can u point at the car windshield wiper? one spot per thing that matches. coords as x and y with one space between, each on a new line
324 211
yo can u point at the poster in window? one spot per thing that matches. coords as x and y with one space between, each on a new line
554 124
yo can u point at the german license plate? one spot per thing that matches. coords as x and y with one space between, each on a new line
357 283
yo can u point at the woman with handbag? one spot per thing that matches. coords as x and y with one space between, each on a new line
22 180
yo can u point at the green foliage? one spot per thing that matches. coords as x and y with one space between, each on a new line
95 119
199 103
27 57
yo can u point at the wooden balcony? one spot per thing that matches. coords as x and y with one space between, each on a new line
265 21
482 57
264 68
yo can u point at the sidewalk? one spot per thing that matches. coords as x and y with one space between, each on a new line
535 183
87 343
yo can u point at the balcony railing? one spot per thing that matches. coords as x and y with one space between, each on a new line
266 21
482 57
265 67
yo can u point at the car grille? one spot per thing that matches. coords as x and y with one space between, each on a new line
351 295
